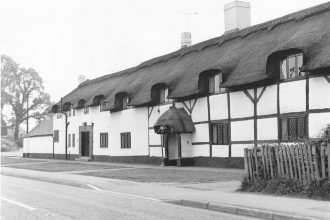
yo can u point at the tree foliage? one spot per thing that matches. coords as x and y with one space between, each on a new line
19 86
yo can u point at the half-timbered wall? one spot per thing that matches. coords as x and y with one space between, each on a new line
252 117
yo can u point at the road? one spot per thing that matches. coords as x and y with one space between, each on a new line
30 199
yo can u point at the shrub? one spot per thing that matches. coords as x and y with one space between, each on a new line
287 186
8 144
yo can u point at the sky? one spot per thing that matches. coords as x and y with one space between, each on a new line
63 38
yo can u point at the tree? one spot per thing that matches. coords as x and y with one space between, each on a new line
23 91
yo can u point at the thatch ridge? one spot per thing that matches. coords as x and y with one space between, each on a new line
241 55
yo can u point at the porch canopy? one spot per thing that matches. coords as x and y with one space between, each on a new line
176 120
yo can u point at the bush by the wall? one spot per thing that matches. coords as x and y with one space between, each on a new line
287 186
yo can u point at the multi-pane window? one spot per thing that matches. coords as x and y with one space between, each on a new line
125 140
214 84
103 139
56 136
220 133
104 106
293 128
86 109
73 140
291 66
69 140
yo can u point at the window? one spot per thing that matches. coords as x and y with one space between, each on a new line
73 140
290 66
70 112
104 106
220 133
215 83
73 112
56 136
103 139
59 115
125 139
125 102
293 128
162 97
86 109
69 140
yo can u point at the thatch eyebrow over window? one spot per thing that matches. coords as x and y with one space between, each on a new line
210 82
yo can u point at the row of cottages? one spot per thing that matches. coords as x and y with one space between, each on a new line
205 103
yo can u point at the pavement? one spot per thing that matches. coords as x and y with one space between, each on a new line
218 196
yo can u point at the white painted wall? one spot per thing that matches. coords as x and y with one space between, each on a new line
268 101
242 130
154 139
317 122
240 105
200 112
237 150
200 150
293 96
156 112
220 150
219 106
186 145
155 151
201 133
267 129
319 92
133 120
42 144
59 124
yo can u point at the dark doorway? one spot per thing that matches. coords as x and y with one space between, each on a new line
85 143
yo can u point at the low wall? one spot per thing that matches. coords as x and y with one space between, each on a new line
50 156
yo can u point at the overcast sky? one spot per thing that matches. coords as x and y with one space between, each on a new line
64 38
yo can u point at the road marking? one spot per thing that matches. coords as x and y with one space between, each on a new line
18 203
124 194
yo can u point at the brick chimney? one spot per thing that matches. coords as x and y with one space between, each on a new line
237 16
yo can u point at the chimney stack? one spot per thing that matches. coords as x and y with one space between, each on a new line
81 79
237 16
185 39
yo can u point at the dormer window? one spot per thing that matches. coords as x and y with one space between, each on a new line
159 93
125 102
214 83
290 67
104 106
86 110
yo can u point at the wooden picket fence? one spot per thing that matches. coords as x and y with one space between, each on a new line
299 161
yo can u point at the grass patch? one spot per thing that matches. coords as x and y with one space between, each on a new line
287 186
15 160
63 166
165 175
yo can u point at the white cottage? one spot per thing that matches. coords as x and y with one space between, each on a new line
205 103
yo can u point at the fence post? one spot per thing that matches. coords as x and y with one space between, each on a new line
287 172
310 161
290 163
308 176
300 151
296 150
246 167
295 174
323 146
328 149
316 165
255 155
277 161
250 165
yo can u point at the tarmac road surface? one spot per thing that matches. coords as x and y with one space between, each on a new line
30 199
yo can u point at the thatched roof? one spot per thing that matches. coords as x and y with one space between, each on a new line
241 56
44 128
177 119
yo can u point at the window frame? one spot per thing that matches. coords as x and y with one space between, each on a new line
125 140
56 135
69 140
73 140
298 74
104 140
103 105
288 135
225 137
86 110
